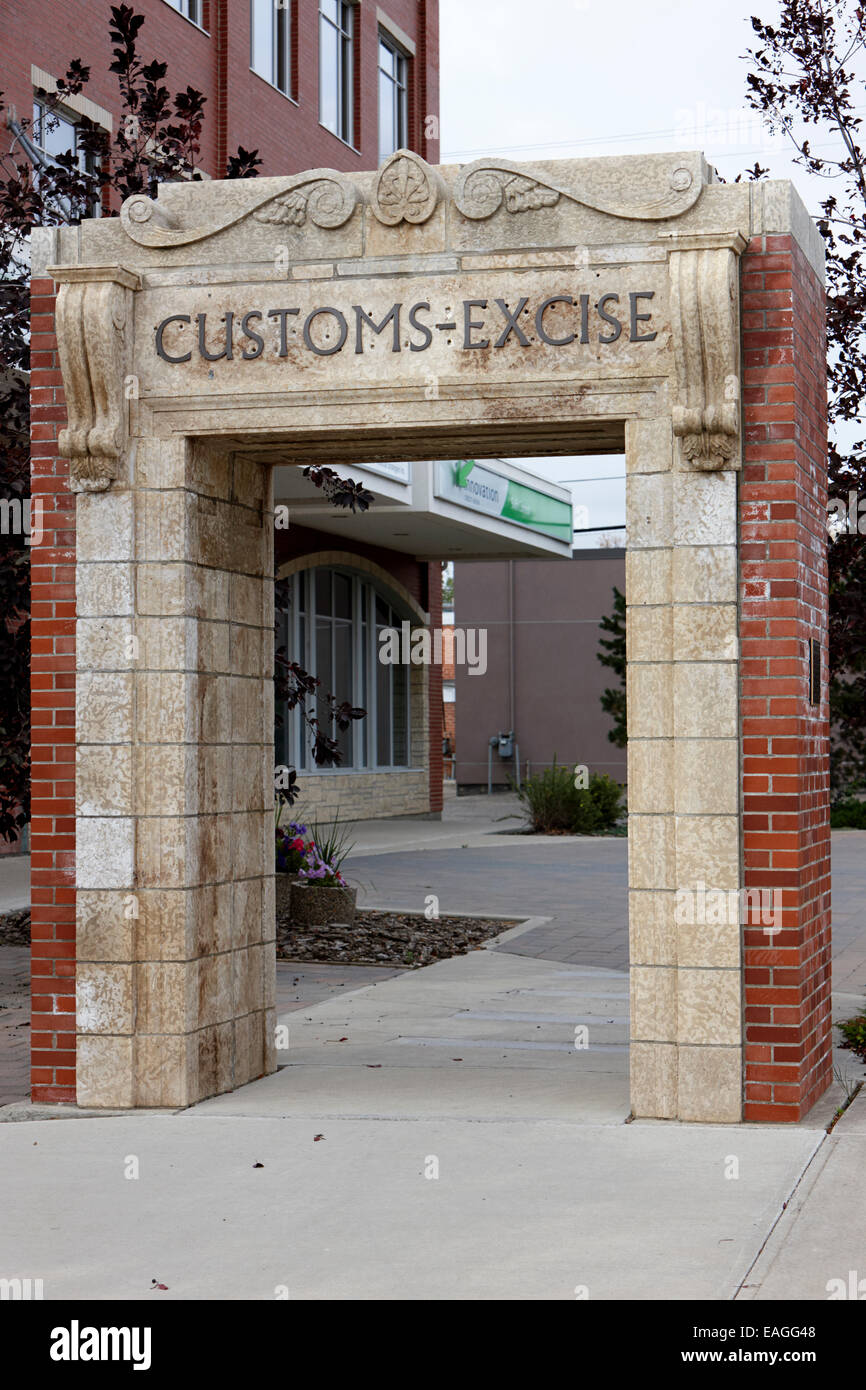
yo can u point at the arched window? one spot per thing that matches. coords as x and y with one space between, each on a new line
332 629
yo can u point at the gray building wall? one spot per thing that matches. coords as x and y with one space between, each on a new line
542 679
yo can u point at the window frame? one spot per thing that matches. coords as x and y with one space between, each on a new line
283 17
182 8
400 108
292 743
344 78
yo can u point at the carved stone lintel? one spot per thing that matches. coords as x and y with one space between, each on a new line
407 190
489 184
321 196
94 342
705 323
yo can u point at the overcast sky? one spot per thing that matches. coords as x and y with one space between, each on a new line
560 79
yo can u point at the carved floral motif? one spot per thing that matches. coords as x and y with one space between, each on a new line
484 187
407 190
705 321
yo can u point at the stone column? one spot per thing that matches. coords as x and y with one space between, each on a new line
682 635
175 916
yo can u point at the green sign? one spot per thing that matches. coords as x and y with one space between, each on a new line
476 485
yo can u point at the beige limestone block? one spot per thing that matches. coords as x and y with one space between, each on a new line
651 853
650 775
650 700
706 699
707 776
648 634
104 644
705 574
210 470
269 975
105 1001
104 852
164 702
161 783
246 708
709 1007
653 1003
104 707
210 771
211 918
104 590
711 1085
648 510
167 996
248 787
705 509
104 1072
246 843
213 644
166 1070
212 713
247 600
163 929
215 990
652 929
249 481
103 780
210 848
159 463
208 595
269 1032
163 858
162 527
647 578
708 851
162 591
104 526
105 927
247 906
246 650
709 945
649 445
653 1068
215 1072
705 633
166 644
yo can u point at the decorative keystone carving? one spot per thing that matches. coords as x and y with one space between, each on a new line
705 323
93 319
322 196
407 190
487 185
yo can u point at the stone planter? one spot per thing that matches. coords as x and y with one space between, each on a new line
285 883
315 904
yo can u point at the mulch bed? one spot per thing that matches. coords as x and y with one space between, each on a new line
406 939
15 928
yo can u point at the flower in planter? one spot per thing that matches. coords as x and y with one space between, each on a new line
317 870
291 848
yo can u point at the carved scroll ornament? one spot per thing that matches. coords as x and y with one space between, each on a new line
487 185
94 341
705 321
320 196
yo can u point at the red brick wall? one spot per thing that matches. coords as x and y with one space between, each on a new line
52 863
785 739
241 108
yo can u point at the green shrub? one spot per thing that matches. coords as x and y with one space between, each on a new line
848 814
853 1030
556 806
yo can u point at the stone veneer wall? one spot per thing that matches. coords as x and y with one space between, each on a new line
783 573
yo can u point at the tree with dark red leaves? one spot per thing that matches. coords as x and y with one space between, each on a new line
808 79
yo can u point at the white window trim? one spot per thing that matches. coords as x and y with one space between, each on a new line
78 105
355 7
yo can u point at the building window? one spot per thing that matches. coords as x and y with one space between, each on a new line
190 8
336 78
271 42
332 629
55 133
393 98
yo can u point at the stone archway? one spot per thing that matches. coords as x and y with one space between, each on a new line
415 313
